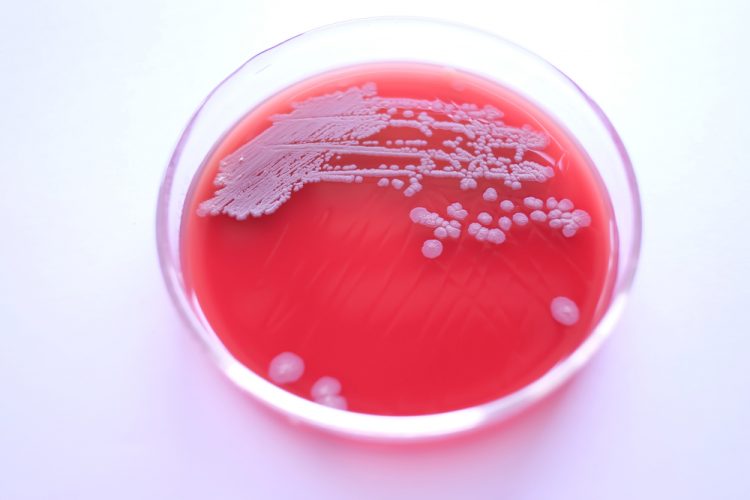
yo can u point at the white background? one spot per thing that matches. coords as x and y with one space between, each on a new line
103 395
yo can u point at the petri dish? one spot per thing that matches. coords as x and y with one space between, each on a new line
399 228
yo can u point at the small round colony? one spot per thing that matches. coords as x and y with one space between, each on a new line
325 386
484 218
538 216
505 223
467 183
432 249
520 219
490 194
326 392
286 368
495 236
565 205
335 401
564 311
457 211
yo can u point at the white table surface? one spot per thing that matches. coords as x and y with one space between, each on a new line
103 395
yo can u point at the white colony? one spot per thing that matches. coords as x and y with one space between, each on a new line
483 233
333 401
569 230
538 216
520 219
453 229
418 213
506 206
456 210
383 182
490 194
565 205
533 203
581 217
286 368
440 232
467 183
484 218
414 186
397 183
325 386
566 217
495 236
432 249
564 311
426 218
504 223
442 228
326 391
453 233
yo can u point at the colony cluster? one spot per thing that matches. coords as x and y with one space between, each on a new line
311 144
288 367
558 215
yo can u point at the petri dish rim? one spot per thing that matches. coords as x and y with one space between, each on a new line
176 188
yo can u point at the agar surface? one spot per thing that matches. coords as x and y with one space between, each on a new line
311 144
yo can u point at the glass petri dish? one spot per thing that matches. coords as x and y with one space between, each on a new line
393 43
